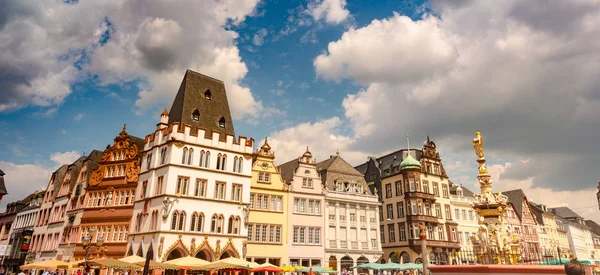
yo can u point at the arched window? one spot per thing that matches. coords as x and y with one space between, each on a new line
201 164
404 258
235 166
174 220
196 115
220 224
213 223
190 157
230 225
193 223
219 161
222 122
207 160
236 225
207 94
200 223
185 151
181 221
223 162
240 162
433 258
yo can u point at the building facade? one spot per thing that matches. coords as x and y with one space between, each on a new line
351 215
109 197
306 204
461 199
416 190
194 184
581 243
22 231
268 219
530 242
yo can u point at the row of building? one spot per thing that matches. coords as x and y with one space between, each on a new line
191 188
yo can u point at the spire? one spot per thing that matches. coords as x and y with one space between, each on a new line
165 113
124 131
409 162
265 150
266 145
307 153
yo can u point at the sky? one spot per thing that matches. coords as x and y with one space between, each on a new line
347 75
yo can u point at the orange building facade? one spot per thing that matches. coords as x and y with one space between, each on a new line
108 205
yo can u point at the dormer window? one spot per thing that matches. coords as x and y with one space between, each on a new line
222 122
196 115
207 94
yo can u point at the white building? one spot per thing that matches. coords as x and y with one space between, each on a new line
461 199
579 235
21 231
306 200
194 181
351 216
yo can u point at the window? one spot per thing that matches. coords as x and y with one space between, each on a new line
436 191
220 190
438 211
456 214
237 164
454 234
380 213
304 235
392 231
264 177
251 206
207 95
460 237
182 186
159 185
223 162
190 159
400 207
388 190
390 211
222 122
184 155
181 221
236 192
174 220
352 217
200 190
445 190
250 227
428 209
440 233
448 212
307 183
148 161
471 216
425 187
196 115
144 189
412 186
398 188
464 214
402 233
219 162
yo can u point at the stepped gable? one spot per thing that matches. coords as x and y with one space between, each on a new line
336 168
201 103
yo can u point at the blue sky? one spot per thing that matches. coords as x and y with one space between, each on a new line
354 76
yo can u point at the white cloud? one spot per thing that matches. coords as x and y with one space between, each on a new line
259 37
155 47
333 11
23 179
396 50
65 157
316 99
78 117
480 66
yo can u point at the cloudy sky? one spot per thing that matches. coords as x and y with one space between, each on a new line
348 75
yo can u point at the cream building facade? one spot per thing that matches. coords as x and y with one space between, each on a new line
351 215
268 219
461 199
194 184
306 203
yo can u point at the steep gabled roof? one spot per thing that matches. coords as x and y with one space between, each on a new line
593 226
516 198
537 212
565 212
337 168
3 190
288 170
191 97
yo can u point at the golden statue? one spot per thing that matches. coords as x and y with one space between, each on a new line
478 145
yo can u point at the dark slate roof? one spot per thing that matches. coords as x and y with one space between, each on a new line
138 141
288 170
33 196
3 190
73 169
190 97
516 198
565 212
395 158
537 212
336 168
466 191
58 175
593 226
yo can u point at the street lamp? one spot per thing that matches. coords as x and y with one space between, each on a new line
89 246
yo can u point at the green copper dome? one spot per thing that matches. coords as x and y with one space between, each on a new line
410 163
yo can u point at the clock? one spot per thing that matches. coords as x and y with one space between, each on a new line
265 166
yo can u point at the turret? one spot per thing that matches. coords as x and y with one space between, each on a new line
164 120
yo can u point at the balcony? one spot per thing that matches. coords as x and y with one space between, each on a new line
422 218
416 244
364 245
332 244
354 245
419 195
344 244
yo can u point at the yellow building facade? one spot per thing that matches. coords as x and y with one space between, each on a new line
267 221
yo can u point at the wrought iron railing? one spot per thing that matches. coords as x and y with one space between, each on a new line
527 256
